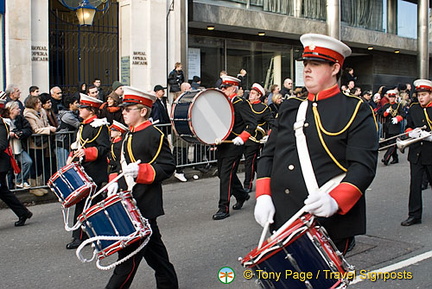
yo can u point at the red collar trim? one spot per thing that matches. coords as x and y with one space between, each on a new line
429 104
142 126
117 139
326 93
89 120
256 101
232 96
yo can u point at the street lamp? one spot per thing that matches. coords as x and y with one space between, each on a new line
85 9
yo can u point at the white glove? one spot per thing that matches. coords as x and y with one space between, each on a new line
264 139
394 120
427 135
131 170
388 110
264 210
415 133
238 141
112 189
321 204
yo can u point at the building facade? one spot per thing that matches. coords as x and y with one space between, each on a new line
139 41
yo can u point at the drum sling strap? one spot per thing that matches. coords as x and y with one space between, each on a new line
306 165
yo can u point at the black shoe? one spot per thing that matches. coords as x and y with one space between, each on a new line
21 221
74 244
411 221
220 215
385 162
240 203
394 161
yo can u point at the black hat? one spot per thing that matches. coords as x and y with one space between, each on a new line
158 87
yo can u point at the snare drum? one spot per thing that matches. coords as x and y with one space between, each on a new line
304 255
71 184
202 116
116 216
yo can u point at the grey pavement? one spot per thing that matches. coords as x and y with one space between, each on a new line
34 256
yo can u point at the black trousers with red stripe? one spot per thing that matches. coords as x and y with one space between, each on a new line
251 154
229 183
156 256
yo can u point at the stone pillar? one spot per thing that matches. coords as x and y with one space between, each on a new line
143 43
39 45
18 44
392 16
422 39
333 18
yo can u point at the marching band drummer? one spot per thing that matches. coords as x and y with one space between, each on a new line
315 140
117 132
253 146
229 154
90 148
393 114
420 153
148 144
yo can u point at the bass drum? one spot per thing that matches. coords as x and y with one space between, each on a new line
203 116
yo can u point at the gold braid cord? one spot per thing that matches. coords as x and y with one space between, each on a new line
429 122
321 129
129 147
85 141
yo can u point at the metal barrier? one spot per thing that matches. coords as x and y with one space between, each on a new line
39 164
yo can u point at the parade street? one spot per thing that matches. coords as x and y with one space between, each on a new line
34 256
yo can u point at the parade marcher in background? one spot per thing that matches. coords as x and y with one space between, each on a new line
253 145
148 144
91 149
420 153
393 114
117 131
6 195
69 123
229 154
20 131
339 134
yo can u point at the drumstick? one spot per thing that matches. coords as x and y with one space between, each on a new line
112 181
263 234
218 141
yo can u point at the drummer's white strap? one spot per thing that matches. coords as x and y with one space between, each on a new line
302 149
129 180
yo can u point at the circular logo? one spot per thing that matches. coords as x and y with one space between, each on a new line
226 275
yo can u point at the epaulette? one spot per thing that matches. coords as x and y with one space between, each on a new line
97 122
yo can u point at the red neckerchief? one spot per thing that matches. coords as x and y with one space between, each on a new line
89 120
326 93
142 126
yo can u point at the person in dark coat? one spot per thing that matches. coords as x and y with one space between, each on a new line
159 113
420 153
148 144
229 153
6 195
339 134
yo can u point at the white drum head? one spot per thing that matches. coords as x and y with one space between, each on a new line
211 116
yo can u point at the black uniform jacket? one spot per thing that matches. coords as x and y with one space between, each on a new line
398 112
96 140
264 118
351 137
244 126
420 152
4 143
148 144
